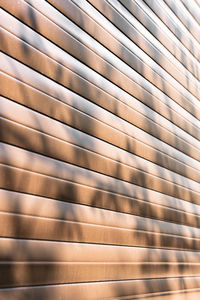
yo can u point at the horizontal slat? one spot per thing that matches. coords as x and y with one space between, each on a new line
44 144
137 33
180 212
193 9
43 207
172 135
101 290
192 294
37 184
14 156
38 142
177 28
181 12
58 110
24 227
126 50
45 251
19 226
188 79
71 45
26 181
13 274
163 34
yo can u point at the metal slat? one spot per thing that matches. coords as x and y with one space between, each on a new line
173 67
27 204
37 100
12 111
181 13
41 61
27 227
43 144
19 158
59 273
36 184
177 28
115 289
46 251
176 210
99 151
65 41
144 15
107 34
193 9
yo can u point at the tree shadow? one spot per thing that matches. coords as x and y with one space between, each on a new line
76 170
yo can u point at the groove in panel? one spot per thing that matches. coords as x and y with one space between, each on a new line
43 103
193 9
167 17
26 204
110 10
170 138
120 45
46 251
60 273
160 105
144 15
135 233
181 12
100 290
89 58
17 137
14 156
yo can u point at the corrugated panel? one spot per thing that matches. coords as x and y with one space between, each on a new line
99 149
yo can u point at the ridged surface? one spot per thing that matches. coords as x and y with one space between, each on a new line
99 149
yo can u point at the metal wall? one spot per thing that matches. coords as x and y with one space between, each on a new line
100 149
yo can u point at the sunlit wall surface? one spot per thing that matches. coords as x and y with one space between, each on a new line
100 149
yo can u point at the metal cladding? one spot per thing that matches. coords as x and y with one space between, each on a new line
99 149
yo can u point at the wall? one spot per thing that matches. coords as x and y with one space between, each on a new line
100 149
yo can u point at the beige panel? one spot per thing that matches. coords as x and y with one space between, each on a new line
179 143
31 139
50 229
127 51
176 210
177 28
38 273
104 290
160 31
26 204
75 46
193 9
19 158
104 129
141 37
168 133
99 150
45 251
185 17
65 41
38 184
